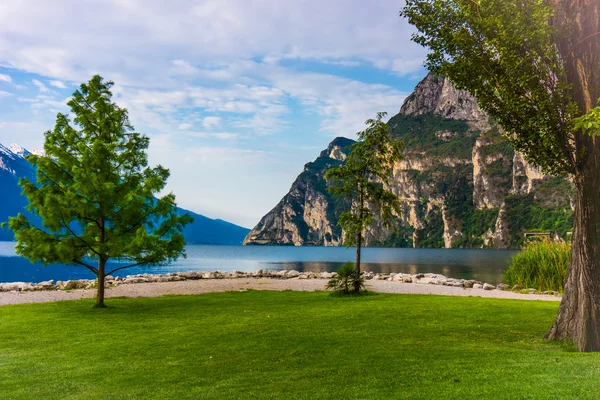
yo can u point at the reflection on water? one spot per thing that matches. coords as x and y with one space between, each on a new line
483 265
489 275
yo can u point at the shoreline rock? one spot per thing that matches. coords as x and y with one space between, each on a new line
111 281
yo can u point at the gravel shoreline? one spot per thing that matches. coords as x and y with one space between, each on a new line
190 287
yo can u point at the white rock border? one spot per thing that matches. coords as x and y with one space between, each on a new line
428 279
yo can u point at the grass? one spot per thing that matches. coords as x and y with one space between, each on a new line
541 265
291 345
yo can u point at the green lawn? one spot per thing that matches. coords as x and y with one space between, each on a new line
283 345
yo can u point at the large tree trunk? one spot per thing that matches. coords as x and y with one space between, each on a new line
100 290
579 313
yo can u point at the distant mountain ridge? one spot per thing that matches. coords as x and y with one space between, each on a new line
13 166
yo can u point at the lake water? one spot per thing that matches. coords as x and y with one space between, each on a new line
483 265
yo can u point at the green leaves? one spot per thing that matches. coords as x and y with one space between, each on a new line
589 123
363 179
504 53
95 193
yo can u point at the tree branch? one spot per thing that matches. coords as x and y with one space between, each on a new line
94 270
127 266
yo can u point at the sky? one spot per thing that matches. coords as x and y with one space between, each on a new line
235 95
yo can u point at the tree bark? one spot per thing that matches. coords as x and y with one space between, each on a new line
579 45
358 248
101 270
100 280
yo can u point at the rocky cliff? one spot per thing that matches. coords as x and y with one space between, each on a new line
461 184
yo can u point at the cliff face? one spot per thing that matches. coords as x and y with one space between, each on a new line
308 214
461 184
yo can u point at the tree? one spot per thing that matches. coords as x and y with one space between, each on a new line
534 66
362 179
95 193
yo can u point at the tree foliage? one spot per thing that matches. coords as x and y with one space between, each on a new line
534 66
363 179
520 79
95 193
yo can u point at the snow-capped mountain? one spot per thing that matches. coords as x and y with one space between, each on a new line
14 166
13 162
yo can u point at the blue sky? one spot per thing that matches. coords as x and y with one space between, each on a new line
235 95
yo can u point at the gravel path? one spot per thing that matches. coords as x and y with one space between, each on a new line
156 289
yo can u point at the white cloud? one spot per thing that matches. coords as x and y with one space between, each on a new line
58 84
210 122
5 78
214 135
183 67
40 85
133 32
233 69
4 94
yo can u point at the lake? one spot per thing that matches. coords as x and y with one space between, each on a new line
484 265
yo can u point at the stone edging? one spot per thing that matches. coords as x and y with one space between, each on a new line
431 279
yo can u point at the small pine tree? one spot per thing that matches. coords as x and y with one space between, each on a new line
362 179
96 195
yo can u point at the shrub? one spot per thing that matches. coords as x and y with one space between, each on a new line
542 265
346 280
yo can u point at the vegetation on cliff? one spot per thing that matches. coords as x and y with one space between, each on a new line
457 184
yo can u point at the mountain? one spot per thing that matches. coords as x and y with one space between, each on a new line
307 215
460 184
13 166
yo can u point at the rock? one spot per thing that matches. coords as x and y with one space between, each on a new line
503 286
477 286
28 287
468 283
487 286
429 281
136 279
436 276
208 275
532 290
407 279
75 284
516 287
189 275
293 274
258 273
45 285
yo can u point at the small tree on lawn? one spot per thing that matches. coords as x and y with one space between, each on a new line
362 179
95 193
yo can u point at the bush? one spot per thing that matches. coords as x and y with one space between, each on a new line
542 265
346 280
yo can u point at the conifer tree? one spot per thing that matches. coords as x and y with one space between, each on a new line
96 195
362 179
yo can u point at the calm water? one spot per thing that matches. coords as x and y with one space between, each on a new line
484 265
